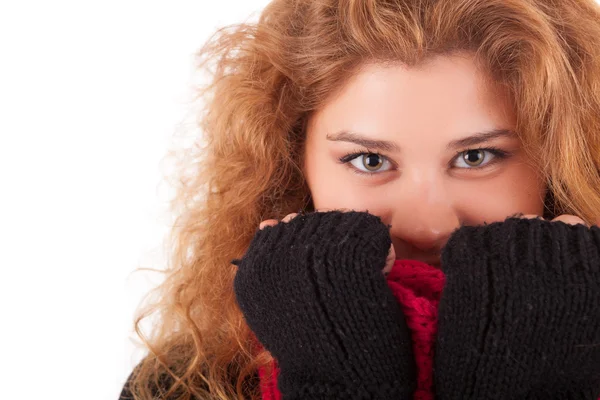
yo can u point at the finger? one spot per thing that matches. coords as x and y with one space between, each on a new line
334 209
289 217
268 222
389 261
530 216
569 219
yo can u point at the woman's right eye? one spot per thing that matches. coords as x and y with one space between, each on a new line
367 163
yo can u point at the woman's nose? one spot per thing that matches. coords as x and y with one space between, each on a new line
424 216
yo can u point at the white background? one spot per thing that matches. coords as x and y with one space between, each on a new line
91 93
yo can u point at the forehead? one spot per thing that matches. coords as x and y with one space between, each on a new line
446 96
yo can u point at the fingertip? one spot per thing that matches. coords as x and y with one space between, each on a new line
289 217
570 219
268 222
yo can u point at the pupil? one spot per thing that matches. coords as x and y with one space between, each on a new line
372 161
474 156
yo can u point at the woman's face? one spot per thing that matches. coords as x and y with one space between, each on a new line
427 149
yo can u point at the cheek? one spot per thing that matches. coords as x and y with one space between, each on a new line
338 189
334 191
518 190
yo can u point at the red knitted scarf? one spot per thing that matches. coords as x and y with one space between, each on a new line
417 287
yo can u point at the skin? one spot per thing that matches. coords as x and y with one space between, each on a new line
433 174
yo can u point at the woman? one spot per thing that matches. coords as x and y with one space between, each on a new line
462 134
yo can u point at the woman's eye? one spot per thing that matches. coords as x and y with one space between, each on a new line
370 162
474 158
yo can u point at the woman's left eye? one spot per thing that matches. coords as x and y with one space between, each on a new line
476 158
368 163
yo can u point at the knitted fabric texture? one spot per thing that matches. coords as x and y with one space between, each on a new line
519 318
313 293
417 287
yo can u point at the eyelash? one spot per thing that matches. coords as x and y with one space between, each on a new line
498 154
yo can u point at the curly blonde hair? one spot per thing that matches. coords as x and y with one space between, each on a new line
266 80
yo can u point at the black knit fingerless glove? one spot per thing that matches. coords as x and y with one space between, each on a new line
313 292
519 317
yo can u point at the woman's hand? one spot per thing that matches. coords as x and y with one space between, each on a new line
389 262
566 218
312 291
519 317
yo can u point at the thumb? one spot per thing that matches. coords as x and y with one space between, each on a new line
389 261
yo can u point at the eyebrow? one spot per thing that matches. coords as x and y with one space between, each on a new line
481 137
385 145
371 144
